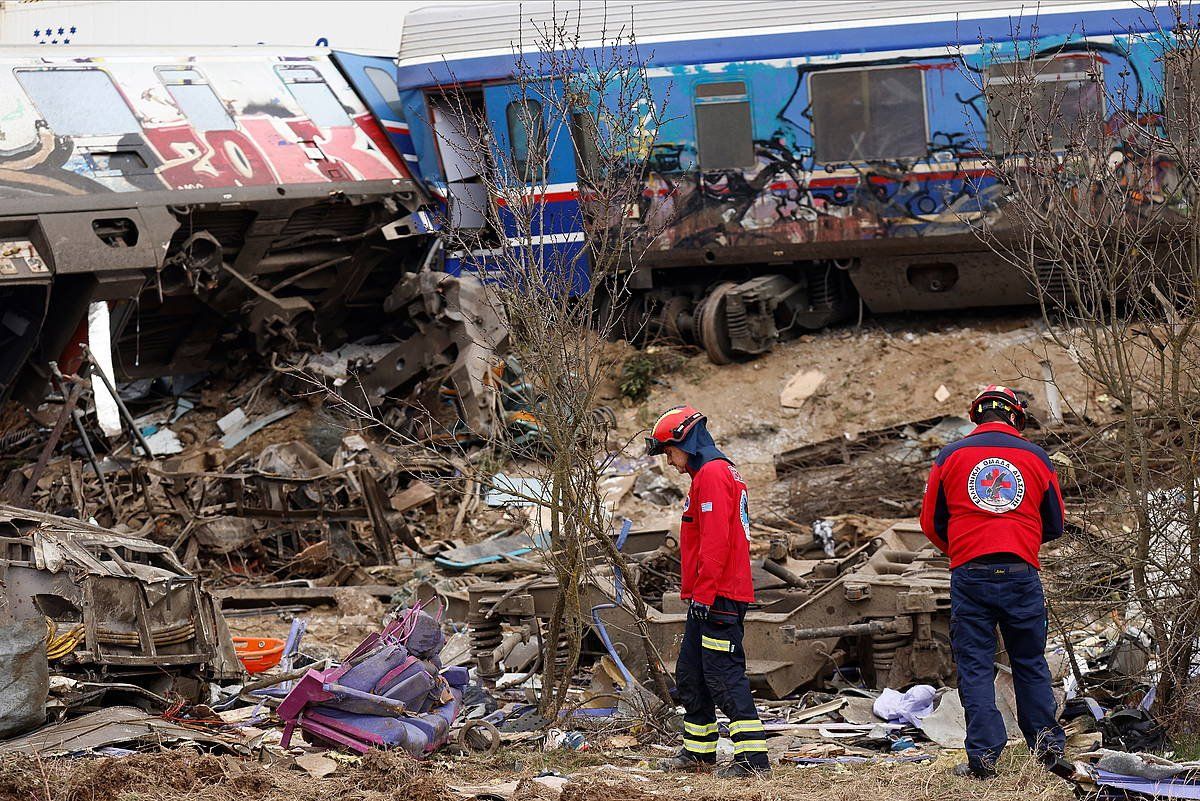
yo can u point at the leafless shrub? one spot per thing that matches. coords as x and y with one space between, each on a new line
558 273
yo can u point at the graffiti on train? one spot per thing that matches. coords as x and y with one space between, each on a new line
74 126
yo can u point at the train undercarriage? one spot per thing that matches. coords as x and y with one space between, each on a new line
736 310
879 606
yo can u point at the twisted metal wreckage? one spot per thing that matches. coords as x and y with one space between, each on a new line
122 619
881 604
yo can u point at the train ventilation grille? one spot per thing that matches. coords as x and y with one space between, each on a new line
339 220
1052 279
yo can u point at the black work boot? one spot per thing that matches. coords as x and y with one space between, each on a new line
967 770
740 769
685 761
1057 765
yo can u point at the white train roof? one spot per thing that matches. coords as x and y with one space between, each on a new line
434 33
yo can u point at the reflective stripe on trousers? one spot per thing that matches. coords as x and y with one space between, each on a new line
711 673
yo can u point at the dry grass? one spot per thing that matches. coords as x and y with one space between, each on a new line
185 775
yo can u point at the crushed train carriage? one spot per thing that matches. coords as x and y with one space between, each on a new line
811 156
214 198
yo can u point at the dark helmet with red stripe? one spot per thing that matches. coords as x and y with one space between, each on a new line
1001 399
672 428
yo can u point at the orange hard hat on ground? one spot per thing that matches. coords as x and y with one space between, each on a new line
672 428
1001 399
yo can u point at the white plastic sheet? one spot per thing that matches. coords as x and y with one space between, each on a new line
100 345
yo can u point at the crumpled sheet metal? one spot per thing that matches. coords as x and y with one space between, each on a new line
457 327
60 542
1150 788
130 600
113 726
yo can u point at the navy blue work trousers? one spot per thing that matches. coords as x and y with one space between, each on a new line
711 672
983 597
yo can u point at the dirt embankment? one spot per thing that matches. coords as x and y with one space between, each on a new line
883 373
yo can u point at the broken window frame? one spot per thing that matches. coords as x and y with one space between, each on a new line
719 106
68 117
167 75
315 107
843 137
1049 102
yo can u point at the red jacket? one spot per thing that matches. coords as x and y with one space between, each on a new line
993 491
714 537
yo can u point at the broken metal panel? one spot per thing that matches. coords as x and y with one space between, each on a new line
455 328
125 602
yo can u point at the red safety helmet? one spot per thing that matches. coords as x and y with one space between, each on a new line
1002 398
672 428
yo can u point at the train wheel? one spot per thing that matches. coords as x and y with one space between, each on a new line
714 325
673 312
620 321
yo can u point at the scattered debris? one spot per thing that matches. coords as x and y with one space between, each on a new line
123 726
651 485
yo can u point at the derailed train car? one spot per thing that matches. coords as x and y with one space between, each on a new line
213 198
812 154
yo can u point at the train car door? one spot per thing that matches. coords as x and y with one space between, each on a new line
374 79
464 159
518 118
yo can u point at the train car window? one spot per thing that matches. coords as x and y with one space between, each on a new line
1027 99
586 139
868 114
385 84
527 135
196 99
1181 86
724 132
319 102
79 102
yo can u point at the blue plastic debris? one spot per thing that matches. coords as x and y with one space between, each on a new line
1160 788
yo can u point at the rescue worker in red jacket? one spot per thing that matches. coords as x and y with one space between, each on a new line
992 499
714 545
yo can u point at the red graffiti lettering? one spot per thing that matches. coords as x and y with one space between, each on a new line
220 158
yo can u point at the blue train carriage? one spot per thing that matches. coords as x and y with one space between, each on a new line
818 154
421 114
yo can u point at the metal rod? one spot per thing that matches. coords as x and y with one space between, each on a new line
69 401
121 407
850 630
77 416
782 573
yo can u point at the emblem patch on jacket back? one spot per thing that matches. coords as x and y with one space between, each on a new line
996 485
